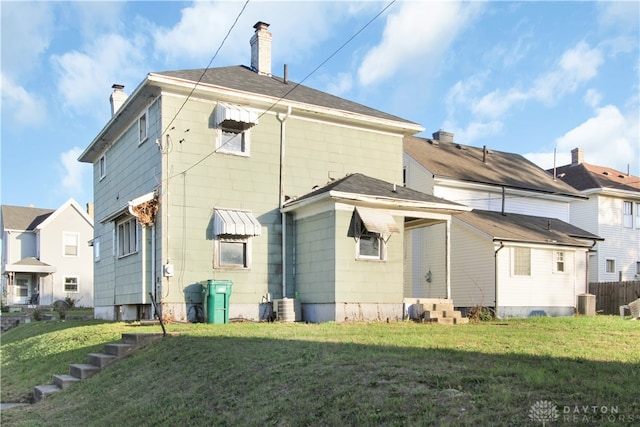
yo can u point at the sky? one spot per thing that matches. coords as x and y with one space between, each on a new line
531 78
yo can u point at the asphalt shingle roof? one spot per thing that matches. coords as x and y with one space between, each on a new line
465 163
23 218
242 78
527 228
585 176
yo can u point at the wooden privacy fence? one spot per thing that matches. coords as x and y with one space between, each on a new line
611 295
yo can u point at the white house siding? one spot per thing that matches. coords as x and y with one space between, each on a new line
472 267
199 180
416 176
132 169
19 245
515 202
52 252
545 290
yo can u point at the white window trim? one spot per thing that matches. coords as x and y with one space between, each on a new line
145 116
64 284
513 263
556 260
627 218
220 147
236 239
96 249
120 251
76 235
637 218
102 167
615 266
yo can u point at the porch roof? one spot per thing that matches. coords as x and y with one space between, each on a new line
30 265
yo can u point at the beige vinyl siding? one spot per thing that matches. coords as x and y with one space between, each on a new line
417 177
472 267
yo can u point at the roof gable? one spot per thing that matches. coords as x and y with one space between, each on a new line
479 165
68 204
585 176
23 218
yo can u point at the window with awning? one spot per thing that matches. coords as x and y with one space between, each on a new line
235 223
233 229
371 229
235 118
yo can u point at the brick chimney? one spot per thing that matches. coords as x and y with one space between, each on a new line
577 156
442 136
261 49
117 98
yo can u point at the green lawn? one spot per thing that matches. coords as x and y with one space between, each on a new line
492 373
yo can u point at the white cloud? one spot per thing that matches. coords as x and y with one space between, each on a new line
29 26
418 33
619 15
74 173
592 98
609 138
341 84
84 78
20 107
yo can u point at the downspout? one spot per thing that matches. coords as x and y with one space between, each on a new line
283 215
153 264
495 280
447 243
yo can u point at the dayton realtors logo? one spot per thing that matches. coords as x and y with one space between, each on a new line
545 412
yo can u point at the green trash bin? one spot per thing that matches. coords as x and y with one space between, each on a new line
218 293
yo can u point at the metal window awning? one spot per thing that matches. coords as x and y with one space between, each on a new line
236 223
235 117
377 221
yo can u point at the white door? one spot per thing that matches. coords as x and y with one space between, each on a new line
22 290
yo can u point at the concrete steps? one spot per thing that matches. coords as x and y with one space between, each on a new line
438 311
112 352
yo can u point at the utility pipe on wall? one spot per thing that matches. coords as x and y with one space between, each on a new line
283 215
495 273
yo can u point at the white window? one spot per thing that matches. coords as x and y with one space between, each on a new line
637 215
70 243
96 249
102 166
70 284
142 128
627 214
638 268
370 246
22 288
610 265
233 252
522 261
559 262
127 237
233 142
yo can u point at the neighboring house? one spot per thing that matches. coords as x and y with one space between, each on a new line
210 174
612 211
515 251
46 255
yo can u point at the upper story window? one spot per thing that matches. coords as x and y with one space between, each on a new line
102 166
70 243
627 214
521 261
638 215
233 125
96 249
143 128
127 237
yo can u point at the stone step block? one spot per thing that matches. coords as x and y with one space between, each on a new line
453 314
441 307
140 339
83 370
101 360
42 391
445 321
118 349
461 321
63 381
428 315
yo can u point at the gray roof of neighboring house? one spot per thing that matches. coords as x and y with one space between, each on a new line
358 183
585 176
242 78
527 228
23 218
465 163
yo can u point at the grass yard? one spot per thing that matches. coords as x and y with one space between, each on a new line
492 373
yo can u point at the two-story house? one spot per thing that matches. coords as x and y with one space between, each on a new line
236 174
612 211
46 255
515 252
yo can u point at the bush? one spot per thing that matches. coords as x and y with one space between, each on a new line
37 314
480 313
